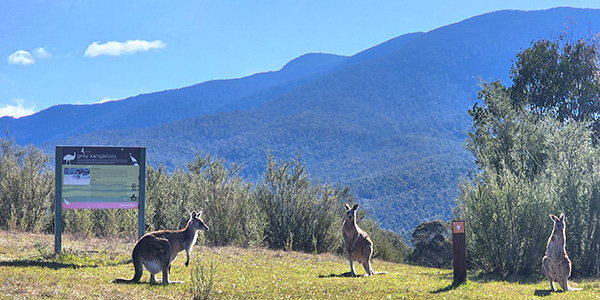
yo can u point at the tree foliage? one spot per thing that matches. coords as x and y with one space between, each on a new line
559 78
534 151
26 187
301 215
287 210
433 247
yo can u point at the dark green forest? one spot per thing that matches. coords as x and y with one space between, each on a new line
532 150
390 122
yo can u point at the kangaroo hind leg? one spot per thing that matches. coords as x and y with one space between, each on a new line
367 253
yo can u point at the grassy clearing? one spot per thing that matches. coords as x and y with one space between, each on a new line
29 270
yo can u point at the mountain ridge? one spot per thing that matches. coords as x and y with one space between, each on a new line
389 121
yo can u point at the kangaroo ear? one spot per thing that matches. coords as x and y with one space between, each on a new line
355 207
193 214
347 206
562 217
553 217
199 213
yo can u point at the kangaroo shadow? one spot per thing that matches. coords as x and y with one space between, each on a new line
542 293
148 283
332 275
41 263
452 286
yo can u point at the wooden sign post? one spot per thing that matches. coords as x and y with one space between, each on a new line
459 252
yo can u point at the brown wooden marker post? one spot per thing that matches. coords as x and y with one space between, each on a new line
459 252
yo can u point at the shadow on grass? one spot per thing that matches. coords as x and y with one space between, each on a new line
347 274
44 264
446 289
494 277
148 283
542 293
488 277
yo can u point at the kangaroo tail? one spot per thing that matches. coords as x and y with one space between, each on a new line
119 280
137 265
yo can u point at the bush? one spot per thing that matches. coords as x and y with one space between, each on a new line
26 188
530 166
202 280
300 213
433 248
232 210
287 210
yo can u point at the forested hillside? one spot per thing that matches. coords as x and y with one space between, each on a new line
149 110
390 121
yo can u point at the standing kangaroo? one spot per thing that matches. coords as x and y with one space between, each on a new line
157 250
556 264
357 243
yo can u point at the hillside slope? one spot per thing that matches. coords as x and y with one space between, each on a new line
392 125
390 121
152 109
148 110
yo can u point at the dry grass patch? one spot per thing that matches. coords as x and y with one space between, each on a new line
89 264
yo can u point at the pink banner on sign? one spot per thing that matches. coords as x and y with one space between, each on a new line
100 205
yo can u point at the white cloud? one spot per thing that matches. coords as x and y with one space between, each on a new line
41 53
16 111
117 48
21 57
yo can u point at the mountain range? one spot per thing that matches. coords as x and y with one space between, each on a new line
390 121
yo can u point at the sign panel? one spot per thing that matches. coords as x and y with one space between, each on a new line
100 177
458 226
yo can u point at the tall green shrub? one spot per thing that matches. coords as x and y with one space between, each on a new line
300 213
232 211
26 187
287 210
530 166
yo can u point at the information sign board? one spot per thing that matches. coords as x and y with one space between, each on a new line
89 177
100 177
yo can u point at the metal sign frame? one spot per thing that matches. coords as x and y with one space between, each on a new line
97 177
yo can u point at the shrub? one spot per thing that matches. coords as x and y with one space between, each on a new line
299 212
26 187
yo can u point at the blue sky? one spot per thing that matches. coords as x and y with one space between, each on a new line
80 52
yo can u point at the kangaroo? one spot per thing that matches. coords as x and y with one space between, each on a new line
357 243
556 264
157 250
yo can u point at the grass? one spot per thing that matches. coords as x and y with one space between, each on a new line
28 269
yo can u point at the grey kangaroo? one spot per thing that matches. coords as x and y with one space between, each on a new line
357 243
556 264
157 250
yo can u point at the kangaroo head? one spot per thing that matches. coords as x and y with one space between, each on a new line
196 222
351 212
559 222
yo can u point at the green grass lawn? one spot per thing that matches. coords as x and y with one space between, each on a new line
29 270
